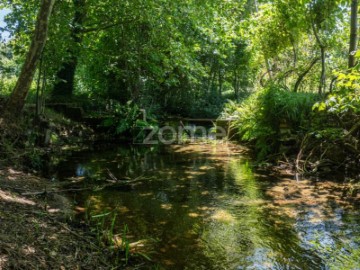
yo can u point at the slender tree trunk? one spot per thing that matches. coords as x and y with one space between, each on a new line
302 75
333 81
323 64
294 50
353 33
65 76
38 88
220 77
236 84
322 84
17 99
256 5
268 68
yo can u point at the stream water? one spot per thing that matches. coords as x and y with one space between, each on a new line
204 206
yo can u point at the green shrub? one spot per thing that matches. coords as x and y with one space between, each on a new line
345 98
257 119
127 118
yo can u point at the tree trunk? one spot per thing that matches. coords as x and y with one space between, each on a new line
38 88
322 85
236 84
292 40
17 99
302 76
65 76
65 79
353 33
220 77
323 64
268 68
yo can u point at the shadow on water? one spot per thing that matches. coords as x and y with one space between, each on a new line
204 207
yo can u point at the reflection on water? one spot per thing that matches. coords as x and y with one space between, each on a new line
204 207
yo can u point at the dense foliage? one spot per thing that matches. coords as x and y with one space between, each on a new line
260 117
272 59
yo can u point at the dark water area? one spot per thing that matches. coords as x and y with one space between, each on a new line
204 206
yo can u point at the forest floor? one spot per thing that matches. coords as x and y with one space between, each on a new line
36 231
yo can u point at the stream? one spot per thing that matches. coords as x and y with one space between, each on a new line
204 206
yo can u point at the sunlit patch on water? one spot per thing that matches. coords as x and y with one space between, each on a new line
204 207
223 216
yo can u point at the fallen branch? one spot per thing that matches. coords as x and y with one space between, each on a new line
45 192
300 154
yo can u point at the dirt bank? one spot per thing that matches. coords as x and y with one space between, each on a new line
38 231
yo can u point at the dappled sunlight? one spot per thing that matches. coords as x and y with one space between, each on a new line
309 193
122 210
135 247
215 152
8 197
249 202
14 172
28 250
205 204
147 194
166 206
3 258
132 111
223 216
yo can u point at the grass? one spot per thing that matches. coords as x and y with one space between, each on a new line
104 227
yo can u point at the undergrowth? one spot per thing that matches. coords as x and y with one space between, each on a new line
258 119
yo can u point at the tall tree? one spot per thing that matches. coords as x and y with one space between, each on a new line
353 33
65 76
17 99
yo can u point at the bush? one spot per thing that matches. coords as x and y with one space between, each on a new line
258 118
128 118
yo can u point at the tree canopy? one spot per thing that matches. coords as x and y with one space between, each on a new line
184 57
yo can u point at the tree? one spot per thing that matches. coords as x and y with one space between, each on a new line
353 33
65 76
17 99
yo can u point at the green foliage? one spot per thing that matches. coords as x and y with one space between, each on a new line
175 55
339 112
345 99
127 118
185 58
7 85
328 133
259 117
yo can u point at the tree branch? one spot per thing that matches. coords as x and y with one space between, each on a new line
302 76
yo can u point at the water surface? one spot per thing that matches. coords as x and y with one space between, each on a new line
204 206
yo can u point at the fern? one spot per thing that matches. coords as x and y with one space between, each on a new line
257 119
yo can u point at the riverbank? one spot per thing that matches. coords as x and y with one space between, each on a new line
38 225
36 232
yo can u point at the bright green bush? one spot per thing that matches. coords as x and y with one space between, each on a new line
338 113
257 119
7 85
345 99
